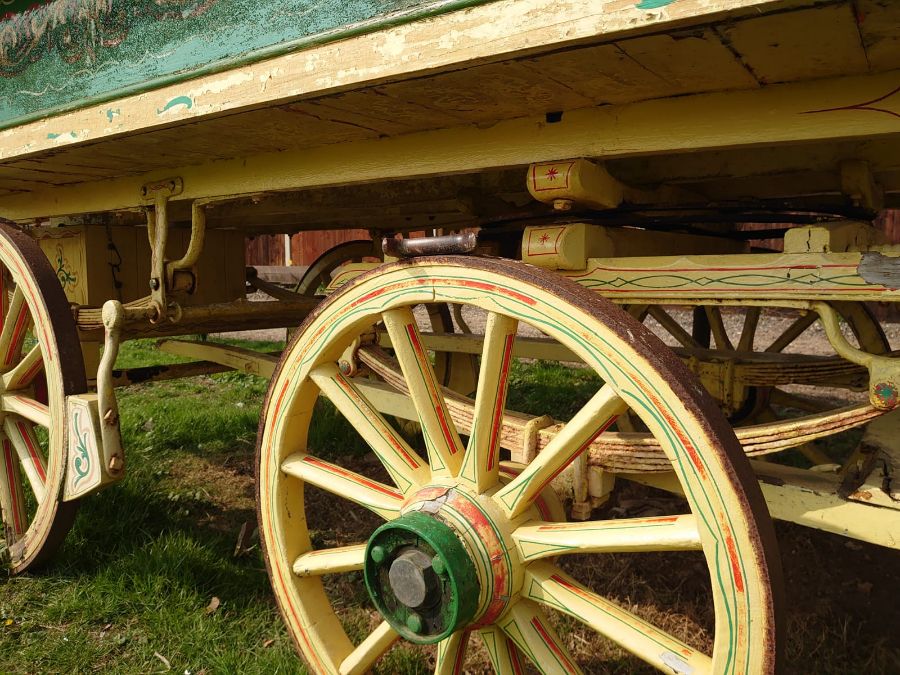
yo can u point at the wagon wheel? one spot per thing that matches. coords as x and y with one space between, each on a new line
319 273
41 365
463 553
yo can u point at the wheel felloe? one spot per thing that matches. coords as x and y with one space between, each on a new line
421 578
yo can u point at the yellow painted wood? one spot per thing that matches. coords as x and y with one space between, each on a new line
377 497
28 408
451 654
89 270
768 277
369 650
499 30
662 533
330 561
578 180
531 631
445 449
817 42
12 496
547 584
573 439
21 434
24 372
832 238
481 463
789 113
408 470
504 655
243 360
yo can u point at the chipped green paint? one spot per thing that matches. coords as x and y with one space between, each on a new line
175 102
653 4
68 54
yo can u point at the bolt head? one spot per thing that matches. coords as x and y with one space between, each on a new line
154 284
378 554
345 367
438 565
414 622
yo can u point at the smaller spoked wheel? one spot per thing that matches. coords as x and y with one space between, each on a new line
459 543
40 364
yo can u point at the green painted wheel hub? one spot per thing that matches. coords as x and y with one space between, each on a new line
421 578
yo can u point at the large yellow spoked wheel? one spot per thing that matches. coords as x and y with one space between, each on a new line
462 547
41 363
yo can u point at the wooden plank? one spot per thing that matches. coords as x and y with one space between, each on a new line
879 26
690 62
819 42
490 92
790 113
492 32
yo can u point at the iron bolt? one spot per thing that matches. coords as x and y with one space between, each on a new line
414 622
378 554
345 367
154 284
438 565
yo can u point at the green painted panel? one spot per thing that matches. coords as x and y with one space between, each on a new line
65 54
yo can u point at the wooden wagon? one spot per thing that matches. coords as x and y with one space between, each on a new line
575 173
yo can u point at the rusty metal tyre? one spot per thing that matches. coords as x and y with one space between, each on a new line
493 548
41 364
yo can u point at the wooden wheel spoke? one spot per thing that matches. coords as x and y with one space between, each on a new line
673 327
15 325
482 458
28 408
505 656
12 498
369 650
441 438
451 654
717 326
547 584
408 470
573 439
748 332
25 371
527 626
664 533
21 433
792 332
330 561
377 497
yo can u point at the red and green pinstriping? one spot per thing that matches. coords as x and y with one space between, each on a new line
14 489
34 453
497 413
437 400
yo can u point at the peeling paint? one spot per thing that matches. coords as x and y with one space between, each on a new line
177 101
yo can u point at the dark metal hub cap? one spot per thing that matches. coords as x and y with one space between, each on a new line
421 578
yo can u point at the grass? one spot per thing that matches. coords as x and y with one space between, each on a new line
133 589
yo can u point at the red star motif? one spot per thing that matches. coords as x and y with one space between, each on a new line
552 173
544 238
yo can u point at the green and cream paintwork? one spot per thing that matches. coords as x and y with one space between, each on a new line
497 515
65 54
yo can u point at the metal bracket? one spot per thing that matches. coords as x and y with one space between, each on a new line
159 194
884 371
